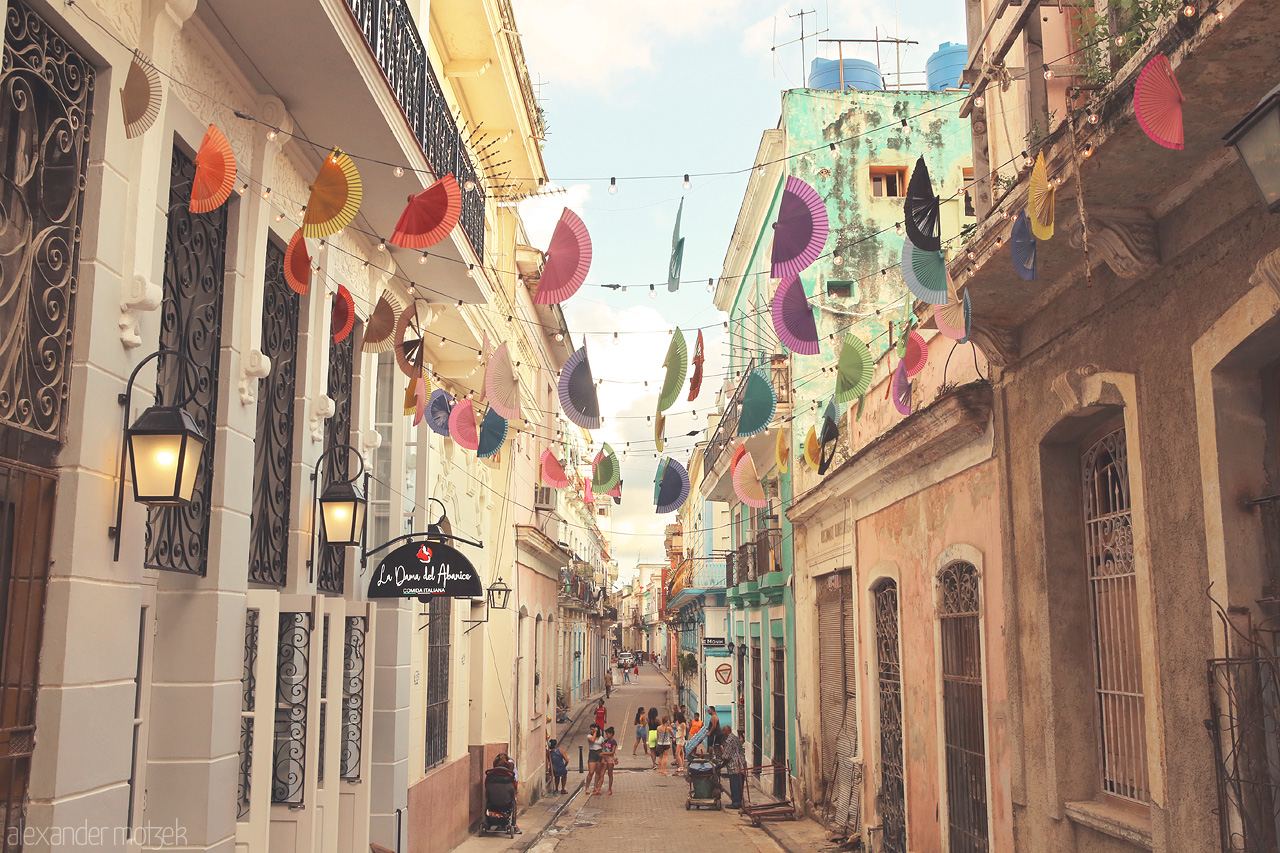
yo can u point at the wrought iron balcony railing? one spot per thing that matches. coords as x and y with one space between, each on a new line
393 38
727 429
768 552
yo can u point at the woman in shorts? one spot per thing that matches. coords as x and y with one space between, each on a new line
642 732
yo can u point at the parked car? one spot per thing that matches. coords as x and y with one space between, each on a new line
626 659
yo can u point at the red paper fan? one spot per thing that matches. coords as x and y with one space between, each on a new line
215 172
1157 103
297 264
344 314
430 215
917 353
695 383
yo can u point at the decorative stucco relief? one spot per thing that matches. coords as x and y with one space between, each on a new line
254 365
123 16
139 295
1126 240
1268 272
195 65
1069 386
322 408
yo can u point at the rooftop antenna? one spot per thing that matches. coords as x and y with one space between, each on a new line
877 41
803 67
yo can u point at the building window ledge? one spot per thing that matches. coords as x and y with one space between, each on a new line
1131 823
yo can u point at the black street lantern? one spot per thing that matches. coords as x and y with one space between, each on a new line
165 447
1257 141
342 507
499 592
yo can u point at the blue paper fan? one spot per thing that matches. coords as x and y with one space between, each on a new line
1022 248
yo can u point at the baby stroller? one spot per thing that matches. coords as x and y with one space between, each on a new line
499 802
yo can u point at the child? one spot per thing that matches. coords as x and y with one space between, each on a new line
609 756
559 764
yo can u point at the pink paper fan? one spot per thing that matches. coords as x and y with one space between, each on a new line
1157 103
420 398
568 259
747 485
793 318
917 353
553 470
462 425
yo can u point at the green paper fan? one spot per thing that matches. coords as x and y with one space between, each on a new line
677 364
759 402
853 370
606 471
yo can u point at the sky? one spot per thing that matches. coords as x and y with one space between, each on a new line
669 87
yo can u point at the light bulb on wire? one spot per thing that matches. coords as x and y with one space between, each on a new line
398 171
653 293
711 285
687 183
835 152
613 186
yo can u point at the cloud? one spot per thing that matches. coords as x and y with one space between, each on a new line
541 212
595 44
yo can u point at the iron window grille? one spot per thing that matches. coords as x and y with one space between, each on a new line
248 699
962 708
288 772
891 799
439 635
353 697
331 577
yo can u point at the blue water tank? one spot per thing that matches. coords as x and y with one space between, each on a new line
858 74
943 68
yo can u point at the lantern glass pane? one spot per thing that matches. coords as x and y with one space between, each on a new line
193 452
1259 147
343 520
156 461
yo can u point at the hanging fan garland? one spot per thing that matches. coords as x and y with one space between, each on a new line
1042 196
493 434
420 400
462 425
812 449
379 331
335 197
429 216
1022 247
854 370
759 403
954 319
568 260
900 389
800 232
553 473
502 384
410 337
925 272
343 317
587 494
297 264
828 437
1157 103
916 353
439 407
676 366
140 98
747 485
215 176
921 211
782 450
793 318
670 486
605 470
577 391
677 254
659 431
616 492
695 383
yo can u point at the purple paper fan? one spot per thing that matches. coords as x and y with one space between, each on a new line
793 318
578 392
901 389
800 233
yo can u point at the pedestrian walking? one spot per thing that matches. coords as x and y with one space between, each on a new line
664 744
679 731
601 715
558 763
637 673
642 732
735 765
595 745
652 724
608 682
608 758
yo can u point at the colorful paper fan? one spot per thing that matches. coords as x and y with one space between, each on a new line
901 389
954 319
215 176
493 433
828 437
429 216
616 493
419 400
659 431
695 383
793 318
1157 103
605 470
297 264
862 402
343 317
782 450
140 97
747 485
677 254
379 331
676 364
853 369
1040 203
462 424
578 391
411 347
553 471
335 197
502 384
920 211
1022 247
925 273
759 402
439 407
568 259
738 452
800 233
917 354
410 398
812 449
587 495
671 486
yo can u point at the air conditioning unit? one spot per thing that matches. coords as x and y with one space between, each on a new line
544 497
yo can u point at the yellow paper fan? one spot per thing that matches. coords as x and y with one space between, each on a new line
335 197
782 451
1042 198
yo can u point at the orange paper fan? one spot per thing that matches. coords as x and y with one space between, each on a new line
430 215
297 264
335 197
215 172
140 97
344 314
